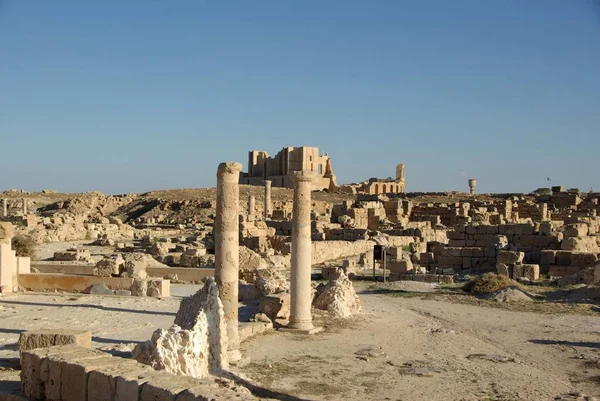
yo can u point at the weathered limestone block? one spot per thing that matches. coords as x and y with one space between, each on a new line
109 266
271 281
160 249
177 351
41 369
548 257
401 266
563 258
275 306
73 255
250 260
581 244
136 263
158 288
518 272
196 344
510 257
531 271
583 259
139 288
49 338
339 298
576 230
119 381
74 374
504 269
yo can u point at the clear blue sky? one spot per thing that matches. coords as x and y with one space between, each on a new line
129 96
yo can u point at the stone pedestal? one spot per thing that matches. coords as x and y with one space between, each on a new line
251 208
226 236
268 207
300 288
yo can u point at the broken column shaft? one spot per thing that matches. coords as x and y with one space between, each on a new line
226 236
268 209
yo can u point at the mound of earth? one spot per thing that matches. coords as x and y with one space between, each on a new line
510 294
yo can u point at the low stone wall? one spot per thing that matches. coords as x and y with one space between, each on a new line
426 278
324 251
81 283
183 273
70 373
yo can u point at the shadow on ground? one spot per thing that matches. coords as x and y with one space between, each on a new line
100 307
586 344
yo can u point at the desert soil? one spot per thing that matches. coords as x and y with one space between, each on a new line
420 347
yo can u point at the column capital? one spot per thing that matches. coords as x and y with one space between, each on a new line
229 167
303 176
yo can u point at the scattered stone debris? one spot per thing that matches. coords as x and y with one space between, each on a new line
271 281
417 368
492 358
338 298
196 345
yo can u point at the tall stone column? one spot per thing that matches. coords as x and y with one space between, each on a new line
300 288
226 236
4 207
24 207
251 207
268 208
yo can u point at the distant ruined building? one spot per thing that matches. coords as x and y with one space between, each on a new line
277 169
376 186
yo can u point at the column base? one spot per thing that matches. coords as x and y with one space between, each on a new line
313 330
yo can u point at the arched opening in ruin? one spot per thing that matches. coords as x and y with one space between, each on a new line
376 189
384 189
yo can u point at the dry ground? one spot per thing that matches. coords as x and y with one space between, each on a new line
403 347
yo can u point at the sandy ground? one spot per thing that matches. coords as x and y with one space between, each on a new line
400 348
45 252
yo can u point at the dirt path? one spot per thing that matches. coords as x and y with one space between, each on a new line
414 349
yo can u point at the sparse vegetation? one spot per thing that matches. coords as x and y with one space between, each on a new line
488 283
543 191
24 245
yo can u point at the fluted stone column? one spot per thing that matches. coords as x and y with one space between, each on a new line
24 207
300 288
226 236
251 207
5 207
268 208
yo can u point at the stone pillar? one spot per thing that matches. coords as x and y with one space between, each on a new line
24 207
5 207
226 236
300 288
268 208
7 266
251 207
